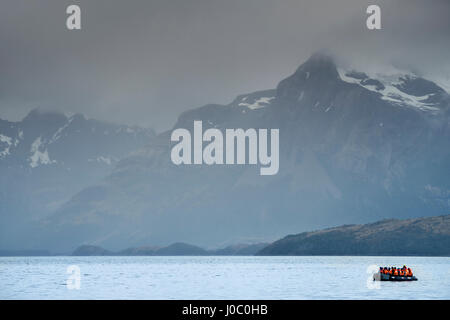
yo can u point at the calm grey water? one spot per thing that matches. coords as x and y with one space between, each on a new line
219 278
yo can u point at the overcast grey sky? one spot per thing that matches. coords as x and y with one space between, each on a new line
145 61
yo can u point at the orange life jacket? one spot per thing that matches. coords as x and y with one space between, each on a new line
395 272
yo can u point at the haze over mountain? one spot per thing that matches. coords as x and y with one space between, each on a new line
48 157
393 237
174 249
354 147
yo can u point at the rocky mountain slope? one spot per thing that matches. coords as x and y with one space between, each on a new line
354 148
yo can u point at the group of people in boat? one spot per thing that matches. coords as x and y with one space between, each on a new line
404 272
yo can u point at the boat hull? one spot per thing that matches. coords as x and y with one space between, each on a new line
388 277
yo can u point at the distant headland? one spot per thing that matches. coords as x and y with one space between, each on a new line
411 237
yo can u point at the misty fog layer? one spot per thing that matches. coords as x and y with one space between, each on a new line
144 62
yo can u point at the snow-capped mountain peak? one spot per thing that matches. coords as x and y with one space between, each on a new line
51 138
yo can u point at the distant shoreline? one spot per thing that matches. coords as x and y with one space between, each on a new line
217 255
420 237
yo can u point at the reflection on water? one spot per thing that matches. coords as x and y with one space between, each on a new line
218 278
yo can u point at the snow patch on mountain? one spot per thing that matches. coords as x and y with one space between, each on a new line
387 85
39 157
5 141
257 104
58 132
444 83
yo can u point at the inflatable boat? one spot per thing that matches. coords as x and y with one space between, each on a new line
388 277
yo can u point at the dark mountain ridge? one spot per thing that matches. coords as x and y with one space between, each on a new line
411 237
